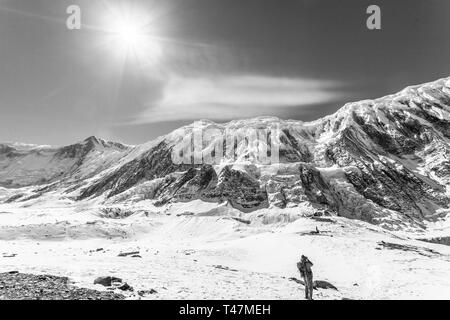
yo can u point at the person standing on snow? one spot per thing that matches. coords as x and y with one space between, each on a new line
304 266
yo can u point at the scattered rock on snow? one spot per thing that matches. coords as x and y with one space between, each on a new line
395 246
146 292
126 254
107 281
322 284
318 284
241 220
188 252
125 287
224 268
320 219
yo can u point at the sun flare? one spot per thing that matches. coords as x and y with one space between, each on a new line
131 35
128 34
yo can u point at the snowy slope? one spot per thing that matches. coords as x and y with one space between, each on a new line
192 251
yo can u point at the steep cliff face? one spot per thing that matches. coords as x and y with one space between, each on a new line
376 160
400 146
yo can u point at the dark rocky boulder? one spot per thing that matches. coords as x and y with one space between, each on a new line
107 281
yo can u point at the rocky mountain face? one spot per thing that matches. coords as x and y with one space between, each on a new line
385 161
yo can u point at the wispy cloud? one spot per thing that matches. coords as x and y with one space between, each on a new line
227 97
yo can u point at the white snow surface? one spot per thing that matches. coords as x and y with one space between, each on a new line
182 244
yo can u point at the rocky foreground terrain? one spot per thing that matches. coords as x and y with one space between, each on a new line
19 286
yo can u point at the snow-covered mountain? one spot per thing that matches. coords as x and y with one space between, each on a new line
384 161
27 165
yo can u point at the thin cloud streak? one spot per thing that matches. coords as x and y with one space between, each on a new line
227 97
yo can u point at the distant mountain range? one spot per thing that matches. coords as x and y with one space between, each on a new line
385 161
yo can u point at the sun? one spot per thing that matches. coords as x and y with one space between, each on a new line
128 35
131 36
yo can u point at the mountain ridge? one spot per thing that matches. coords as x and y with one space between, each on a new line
385 161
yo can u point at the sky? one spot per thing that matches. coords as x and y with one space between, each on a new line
139 69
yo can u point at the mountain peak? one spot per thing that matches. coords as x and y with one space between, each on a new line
92 139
